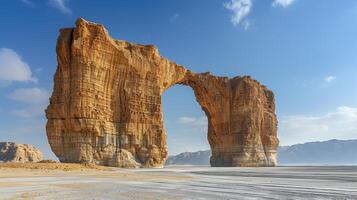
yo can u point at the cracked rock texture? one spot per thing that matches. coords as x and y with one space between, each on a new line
11 152
107 98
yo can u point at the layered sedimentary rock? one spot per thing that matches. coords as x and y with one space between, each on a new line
11 152
107 98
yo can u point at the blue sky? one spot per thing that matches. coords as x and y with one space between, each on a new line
305 51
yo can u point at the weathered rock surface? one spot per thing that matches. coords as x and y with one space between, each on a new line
107 97
11 152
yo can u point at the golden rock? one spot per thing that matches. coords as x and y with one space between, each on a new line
106 105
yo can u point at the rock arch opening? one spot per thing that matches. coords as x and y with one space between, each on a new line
184 121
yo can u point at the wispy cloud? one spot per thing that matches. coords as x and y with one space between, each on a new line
338 124
282 3
28 2
13 68
60 5
240 9
174 17
246 24
200 122
329 79
36 100
30 95
187 130
186 120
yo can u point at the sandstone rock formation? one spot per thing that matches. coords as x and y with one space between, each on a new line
11 152
107 98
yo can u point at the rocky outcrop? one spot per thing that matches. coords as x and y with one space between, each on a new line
107 98
11 152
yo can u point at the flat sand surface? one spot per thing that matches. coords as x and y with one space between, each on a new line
188 182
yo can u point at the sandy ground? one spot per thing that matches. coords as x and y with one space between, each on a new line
179 183
52 166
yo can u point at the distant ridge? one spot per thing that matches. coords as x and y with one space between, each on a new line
331 152
190 158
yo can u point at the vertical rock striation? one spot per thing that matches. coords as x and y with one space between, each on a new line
106 105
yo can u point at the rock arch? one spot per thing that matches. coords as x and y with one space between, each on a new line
106 105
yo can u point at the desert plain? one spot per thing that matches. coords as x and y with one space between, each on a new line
74 181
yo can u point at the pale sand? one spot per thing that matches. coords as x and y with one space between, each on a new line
180 183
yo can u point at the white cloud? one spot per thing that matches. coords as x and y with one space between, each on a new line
338 124
329 79
240 8
186 120
60 5
282 3
193 121
35 98
13 68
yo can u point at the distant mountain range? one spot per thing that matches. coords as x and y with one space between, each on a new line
190 158
331 152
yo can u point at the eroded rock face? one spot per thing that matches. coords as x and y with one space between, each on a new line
11 152
107 97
